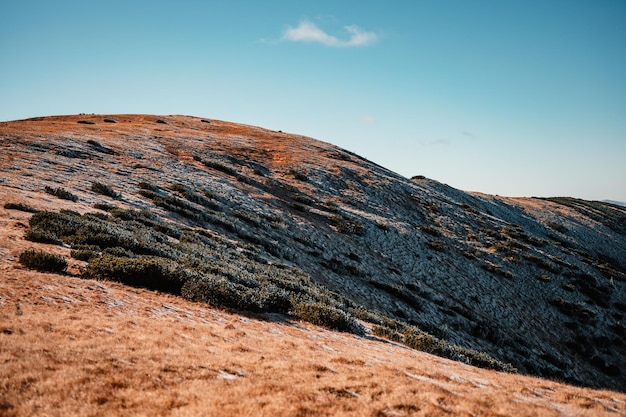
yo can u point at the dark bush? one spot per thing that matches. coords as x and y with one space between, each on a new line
83 254
43 261
417 339
148 186
100 148
21 207
173 204
271 299
144 271
42 236
217 291
60 193
348 226
437 245
298 207
243 179
100 188
49 227
557 226
195 197
386 333
325 315
420 340
217 165
542 263
104 206
298 175
119 252
97 215
431 230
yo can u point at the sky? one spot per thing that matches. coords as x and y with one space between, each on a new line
515 98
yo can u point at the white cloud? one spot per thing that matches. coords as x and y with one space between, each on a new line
309 32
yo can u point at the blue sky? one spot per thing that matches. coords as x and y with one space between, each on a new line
516 98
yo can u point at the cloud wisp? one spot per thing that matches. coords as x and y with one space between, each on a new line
308 32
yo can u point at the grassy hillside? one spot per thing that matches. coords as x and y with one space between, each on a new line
265 222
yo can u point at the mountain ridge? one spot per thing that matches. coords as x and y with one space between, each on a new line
537 283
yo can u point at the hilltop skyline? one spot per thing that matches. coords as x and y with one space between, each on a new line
510 99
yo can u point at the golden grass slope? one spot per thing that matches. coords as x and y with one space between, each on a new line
70 346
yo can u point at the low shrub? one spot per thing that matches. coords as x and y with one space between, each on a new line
300 176
541 263
557 226
437 245
104 206
348 226
217 291
194 197
100 148
100 188
97 215
420 340
387 333
42 236
83 254
417 339
173 204
271 298
578 310
216 165
332 206
144 271
60 193
497 269
119 252
469 208
431 230
43 261
148 186
325 315
20 207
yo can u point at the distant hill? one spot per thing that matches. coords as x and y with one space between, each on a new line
618 203
269 222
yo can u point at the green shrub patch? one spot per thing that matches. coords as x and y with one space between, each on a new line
60 193
144 271
325 315
100 188
20 207
43 261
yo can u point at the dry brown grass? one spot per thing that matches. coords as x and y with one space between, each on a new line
79 347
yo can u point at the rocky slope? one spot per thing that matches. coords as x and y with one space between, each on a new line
537 283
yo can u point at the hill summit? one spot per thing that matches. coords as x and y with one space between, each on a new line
269 222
